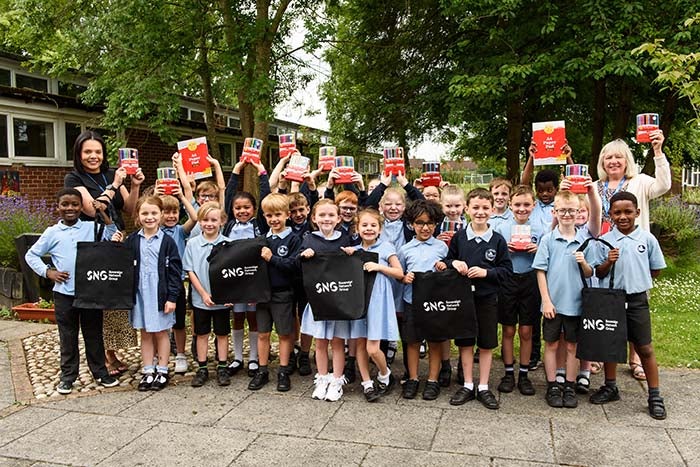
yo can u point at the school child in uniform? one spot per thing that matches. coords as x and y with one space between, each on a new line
637 258
421 254
501 189
243 223
204 311
453 205
158 286
204 191
179 233
59 241
301 226
557 264
281 253
326 216
432 193
482 255
381 312
519 302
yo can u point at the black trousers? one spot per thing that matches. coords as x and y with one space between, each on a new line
70 321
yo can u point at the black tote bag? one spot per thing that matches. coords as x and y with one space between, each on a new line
336 285
237 273
104 275
443 306
602 334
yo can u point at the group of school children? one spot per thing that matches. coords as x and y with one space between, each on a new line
411 232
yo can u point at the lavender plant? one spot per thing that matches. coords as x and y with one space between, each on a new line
18 215
679 224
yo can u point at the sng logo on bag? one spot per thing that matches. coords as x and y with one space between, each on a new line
441 305
104 275
229 273
599 324
333 286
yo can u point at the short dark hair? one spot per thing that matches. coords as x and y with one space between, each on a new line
547 175
78 149
424 206
480 193
624 196
69 192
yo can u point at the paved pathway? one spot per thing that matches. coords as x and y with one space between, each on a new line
233 426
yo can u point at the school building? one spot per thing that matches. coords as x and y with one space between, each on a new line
40 117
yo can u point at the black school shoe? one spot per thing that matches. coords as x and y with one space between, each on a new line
284 384
431 391
260 379
234 367
487 399
657 409
605 394
583 384
570 401
371 393
146 381
445 376
222 376
304 364
525 386
385 389
349 370
554 396
410 389
462 396
200 377
507 383
160 381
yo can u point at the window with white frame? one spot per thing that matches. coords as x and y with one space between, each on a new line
5 77
31 82
24 136
226 153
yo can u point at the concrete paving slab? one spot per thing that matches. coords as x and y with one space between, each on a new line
9 462
292 451
108 403
185 404
23 421
76 438
632 409
515 403
172 444
597 445
383 424
501 462
472 431
687 442
18 329
391 457
279 414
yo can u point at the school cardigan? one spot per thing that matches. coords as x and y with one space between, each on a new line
169 268
231 189
490 253
284 265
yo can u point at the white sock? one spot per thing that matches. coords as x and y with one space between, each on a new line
367 384
238 344
483 387
253 341
180 354
469 386
384 379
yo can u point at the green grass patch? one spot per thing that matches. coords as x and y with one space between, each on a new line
675 317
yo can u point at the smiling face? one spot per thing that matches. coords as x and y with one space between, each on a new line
205 195
565 211
522 206
623 214
171 217
479 210
615 165
424 227
91 156
243 209
453 206
211 223
299 213
582 216
393 206
277 220
69 207
347 211
431 193
501 195
149 217
326 218
369 228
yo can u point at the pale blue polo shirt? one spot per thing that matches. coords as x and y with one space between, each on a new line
195 260
417 256
497 219
541 216
522 261
640 254
555 256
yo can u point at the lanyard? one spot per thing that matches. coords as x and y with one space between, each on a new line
103 188
606 199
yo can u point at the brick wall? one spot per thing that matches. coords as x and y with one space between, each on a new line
39 182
